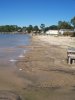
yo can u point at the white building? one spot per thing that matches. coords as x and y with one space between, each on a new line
52 32
62 31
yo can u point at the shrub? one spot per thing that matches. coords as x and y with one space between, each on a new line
69 33
73 35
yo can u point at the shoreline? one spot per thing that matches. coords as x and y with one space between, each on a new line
44 58
43 73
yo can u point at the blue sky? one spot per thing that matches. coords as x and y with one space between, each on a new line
35 12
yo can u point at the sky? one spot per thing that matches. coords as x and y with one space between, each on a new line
36 12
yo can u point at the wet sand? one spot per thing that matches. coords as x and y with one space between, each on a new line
43 74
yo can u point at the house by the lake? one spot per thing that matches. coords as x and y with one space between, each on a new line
52 32
61 31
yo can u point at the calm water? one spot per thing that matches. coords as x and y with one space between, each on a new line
10 47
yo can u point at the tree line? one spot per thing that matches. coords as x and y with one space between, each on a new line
36 29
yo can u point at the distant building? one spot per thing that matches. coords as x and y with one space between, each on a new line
52 32
62 31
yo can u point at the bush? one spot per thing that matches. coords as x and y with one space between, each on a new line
69 34
73 34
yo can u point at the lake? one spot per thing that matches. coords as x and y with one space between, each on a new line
10 47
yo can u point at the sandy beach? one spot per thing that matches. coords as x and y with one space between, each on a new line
43 74
45 69
58 40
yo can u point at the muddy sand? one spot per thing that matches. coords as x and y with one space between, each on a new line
43 74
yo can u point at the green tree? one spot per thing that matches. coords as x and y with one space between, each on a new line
36 29
29 28
46 29
42 26
53 27
64 25
9 28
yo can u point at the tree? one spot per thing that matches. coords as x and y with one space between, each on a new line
73 21
64 25
46 29
36 28
53 27
29 28
9 28
42 26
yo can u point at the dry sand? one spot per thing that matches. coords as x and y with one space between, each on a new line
58 40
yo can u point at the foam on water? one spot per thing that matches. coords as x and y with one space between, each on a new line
12 60
21 56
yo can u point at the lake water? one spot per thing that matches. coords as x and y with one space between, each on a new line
10 47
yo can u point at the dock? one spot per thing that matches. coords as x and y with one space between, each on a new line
71 55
